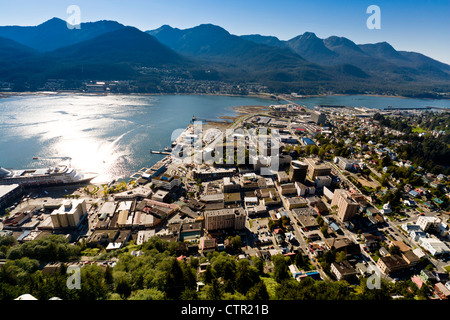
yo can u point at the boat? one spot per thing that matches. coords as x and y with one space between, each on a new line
35 158
58 175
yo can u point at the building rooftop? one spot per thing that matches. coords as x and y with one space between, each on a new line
232 197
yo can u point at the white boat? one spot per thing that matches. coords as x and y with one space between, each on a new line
59 175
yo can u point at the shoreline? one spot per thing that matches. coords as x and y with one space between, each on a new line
100 94
266 96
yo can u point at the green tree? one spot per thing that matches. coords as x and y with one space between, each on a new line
93 284
246 276
147 294
341 256
174 277
212 291
236 243
208 275
258 262
258 292
224 266
189 294
281 271
394 250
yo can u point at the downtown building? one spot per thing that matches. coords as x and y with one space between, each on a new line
298 171
68 214
317 168
347 206
233 218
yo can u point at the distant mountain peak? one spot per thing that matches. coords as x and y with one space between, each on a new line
309 34
53 22
311 47
211 28
335 41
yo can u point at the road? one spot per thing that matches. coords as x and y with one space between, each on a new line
398 235
303 245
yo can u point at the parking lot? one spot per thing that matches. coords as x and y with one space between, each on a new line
260 229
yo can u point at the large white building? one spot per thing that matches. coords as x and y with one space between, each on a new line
343 163
68 214
427 223
433 245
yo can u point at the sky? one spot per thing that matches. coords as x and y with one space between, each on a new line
409 25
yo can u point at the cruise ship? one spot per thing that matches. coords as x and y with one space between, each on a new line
58 175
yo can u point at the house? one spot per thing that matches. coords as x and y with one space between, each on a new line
442 291
288 188
294 271
408 227
362 269
416 235
343 270
306 220
418 281
102 237
427 275
343 244
315 249
372 241
401 245
386 209
208 244
384 252
414 193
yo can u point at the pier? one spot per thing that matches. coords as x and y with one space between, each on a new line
160 152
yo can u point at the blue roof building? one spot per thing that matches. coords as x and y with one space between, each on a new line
414 193
307 141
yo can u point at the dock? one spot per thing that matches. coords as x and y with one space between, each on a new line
160 152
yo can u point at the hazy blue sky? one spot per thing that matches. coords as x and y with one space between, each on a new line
414 25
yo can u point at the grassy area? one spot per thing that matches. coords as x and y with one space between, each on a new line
90 252
418 130
92 189
447 268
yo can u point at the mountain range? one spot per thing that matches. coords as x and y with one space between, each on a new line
108 50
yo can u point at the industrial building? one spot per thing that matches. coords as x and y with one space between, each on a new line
8 193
